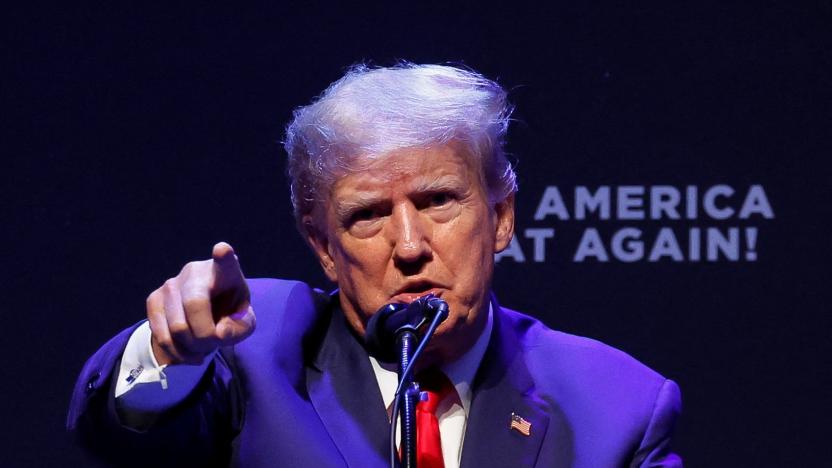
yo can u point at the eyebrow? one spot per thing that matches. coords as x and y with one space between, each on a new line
363 199
345 207
441 183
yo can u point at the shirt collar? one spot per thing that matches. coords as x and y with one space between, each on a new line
460 372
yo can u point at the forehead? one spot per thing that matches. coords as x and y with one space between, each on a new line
413 168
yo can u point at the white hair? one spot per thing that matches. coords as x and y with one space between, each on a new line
370 112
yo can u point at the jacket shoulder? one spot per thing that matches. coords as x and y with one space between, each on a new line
580 355
271 298
617 410
289 315
593 383
284 307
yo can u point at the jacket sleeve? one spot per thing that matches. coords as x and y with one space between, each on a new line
197 432
655 449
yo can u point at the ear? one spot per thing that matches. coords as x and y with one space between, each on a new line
320 245
504 226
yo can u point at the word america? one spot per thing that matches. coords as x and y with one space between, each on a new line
634 202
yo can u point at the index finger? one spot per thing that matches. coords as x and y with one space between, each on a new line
227 271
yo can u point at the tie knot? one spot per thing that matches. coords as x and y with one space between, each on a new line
437 386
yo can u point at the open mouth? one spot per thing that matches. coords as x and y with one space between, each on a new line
414 290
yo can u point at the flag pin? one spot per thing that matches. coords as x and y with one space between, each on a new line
520 425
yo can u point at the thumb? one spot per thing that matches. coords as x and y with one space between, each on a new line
231 329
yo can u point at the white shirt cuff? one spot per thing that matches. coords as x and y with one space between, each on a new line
162 386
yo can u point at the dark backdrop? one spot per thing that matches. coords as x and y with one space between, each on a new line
134 138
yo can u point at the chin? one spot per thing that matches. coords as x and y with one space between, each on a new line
455 336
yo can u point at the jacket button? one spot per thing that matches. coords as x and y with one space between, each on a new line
92 381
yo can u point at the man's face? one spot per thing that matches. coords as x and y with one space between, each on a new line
416 221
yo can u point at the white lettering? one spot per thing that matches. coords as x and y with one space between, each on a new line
630 202
751 244
664 199
513 251
591 246
586 202
666 245
709 202
730 246
756 202
626 245
551 203
692 192
539 236
694 245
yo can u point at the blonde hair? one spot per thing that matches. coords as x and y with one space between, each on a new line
372 111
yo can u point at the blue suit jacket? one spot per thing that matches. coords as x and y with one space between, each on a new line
301 392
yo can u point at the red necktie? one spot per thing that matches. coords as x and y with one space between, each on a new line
428 443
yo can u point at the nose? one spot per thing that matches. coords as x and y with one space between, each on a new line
410 235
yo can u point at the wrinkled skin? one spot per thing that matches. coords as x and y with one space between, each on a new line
202 308
413 222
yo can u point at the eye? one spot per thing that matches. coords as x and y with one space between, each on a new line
440 199
363 215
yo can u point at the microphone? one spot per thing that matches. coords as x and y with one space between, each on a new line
393 319
392 334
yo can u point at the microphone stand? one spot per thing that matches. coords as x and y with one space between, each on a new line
410 348
406 342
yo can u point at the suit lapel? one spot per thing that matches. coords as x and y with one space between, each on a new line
344 392
503 386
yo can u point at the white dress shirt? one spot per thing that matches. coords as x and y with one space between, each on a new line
451 416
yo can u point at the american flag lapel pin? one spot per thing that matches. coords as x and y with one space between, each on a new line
520 425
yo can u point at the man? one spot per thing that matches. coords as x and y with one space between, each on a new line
401 188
